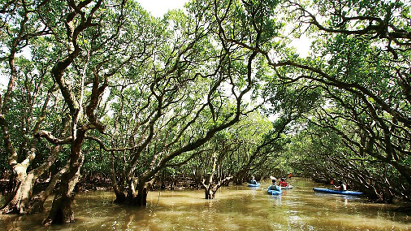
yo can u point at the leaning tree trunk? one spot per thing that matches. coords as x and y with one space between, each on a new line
21 201
21 194
23 184
61 211
37 203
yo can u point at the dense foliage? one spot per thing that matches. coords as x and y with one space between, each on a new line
361 64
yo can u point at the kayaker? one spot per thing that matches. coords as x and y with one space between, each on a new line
341 186
273 185
283 183
253 181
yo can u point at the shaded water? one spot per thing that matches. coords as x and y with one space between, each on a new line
235 208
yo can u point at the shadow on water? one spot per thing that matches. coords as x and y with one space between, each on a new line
235 208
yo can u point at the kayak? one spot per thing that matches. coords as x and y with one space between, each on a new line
287 187
274 192
326 190
254 185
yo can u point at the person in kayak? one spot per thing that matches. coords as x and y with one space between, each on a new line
283 183
289 175
341 186
273 185
253 181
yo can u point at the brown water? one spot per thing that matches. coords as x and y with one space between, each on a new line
235 208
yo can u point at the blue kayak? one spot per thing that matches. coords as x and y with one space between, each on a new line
254 185
274 192
326 190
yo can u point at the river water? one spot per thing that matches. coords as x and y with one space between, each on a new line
235 208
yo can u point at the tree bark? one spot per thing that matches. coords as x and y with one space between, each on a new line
210 188
209 193
143 188
22 194
23 187
141 199
37 203
61 211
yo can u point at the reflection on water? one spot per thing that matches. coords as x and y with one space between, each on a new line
235 208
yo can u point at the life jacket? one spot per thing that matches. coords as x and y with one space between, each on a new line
283 184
